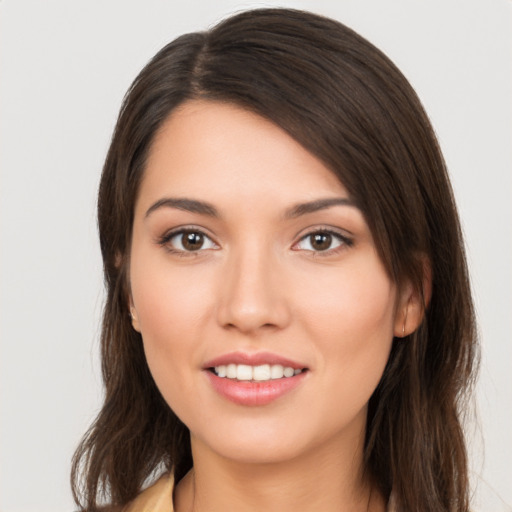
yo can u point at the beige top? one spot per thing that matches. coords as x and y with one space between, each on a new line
158 498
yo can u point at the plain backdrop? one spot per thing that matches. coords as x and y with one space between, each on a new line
64 68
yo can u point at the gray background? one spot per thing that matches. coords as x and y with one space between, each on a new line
64 68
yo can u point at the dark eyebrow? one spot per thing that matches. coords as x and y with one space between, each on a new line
318 204
189 205
204 208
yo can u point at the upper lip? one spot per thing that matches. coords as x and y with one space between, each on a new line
255 359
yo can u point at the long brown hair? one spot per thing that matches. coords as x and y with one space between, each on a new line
345 102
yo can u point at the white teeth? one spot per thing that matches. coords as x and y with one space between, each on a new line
288 372
231 371
260 373
244 372
277 371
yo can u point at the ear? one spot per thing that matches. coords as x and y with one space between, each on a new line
134 316
412 302
133 312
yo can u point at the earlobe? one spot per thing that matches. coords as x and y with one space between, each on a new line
405 320
409 315
134 317
404 314
133 312
413 303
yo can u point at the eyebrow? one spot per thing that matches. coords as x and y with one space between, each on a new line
189 205
204 208
317 205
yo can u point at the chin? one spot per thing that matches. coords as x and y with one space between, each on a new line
250 441
257 451
266 442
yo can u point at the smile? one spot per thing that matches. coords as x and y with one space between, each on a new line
254 379
260 373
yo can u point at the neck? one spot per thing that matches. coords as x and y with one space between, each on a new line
329 478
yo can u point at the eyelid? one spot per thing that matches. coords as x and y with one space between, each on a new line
315 228
338 233
164 239
344 236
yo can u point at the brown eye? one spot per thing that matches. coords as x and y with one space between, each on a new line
192 241
188 241
321 241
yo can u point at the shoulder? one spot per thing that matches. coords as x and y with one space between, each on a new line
156 498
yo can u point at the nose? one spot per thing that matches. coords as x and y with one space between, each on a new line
252 294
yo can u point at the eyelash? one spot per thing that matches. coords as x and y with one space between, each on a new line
164 241
345 241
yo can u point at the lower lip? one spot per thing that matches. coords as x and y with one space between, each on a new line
254 393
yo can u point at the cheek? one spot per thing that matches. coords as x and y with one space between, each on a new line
168 299
354 302
168 321
350 315
171 307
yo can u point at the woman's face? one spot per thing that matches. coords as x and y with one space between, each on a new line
249 263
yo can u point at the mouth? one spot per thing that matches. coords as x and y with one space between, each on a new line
258 373
254 379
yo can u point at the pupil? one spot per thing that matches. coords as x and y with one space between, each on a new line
192 241
321 241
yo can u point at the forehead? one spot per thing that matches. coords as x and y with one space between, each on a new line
219 151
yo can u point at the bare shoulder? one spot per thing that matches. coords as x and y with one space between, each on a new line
156 498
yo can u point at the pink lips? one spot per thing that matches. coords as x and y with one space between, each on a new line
251 393
252 360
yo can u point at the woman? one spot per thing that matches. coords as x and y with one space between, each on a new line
289 322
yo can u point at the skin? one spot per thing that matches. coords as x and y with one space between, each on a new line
258 284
